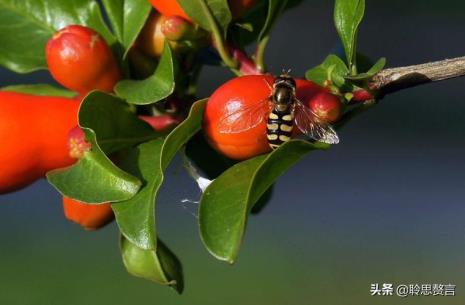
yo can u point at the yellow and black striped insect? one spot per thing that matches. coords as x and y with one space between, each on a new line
282 110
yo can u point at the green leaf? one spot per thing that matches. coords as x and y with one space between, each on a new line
114 122
161 266
332 68
94 179
127 18
226 203
40 89
348 15
26 25
201 11
109 126
135 216
153 89
378 66
249 27
275 8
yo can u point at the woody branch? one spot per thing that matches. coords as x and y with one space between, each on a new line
395 79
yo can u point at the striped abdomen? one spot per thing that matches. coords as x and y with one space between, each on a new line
279 127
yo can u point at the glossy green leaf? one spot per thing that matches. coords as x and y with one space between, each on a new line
153 89
275 8
249 27
114 122
226 203
94 178
40 89
204 12
348 15
109 126
135 216
160 265
332 68
26 25
378 66
127 18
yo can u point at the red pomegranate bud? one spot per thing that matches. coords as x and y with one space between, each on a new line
176 28
362 95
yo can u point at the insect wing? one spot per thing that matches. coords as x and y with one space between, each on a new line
245 118
307 121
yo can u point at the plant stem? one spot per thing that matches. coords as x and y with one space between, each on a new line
260 54
395 79
218 38
237 72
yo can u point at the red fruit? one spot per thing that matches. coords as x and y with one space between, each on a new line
176 28
77 143
172 8
181 35
161 122
237 93
362 95
80 59
327 106
88 216
151 39
243 92
34 132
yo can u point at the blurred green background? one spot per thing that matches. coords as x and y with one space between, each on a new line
385 206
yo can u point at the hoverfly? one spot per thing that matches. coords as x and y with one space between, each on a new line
282 110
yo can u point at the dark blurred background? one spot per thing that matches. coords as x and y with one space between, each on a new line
385 206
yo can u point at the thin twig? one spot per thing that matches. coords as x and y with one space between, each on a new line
260 54
395 79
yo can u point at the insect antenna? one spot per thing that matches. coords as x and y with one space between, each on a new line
286 72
